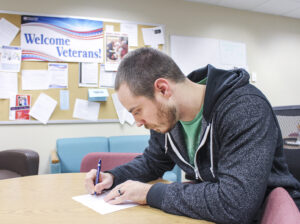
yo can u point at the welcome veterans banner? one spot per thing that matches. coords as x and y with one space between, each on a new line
61 39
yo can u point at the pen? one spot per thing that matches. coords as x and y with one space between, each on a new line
98 174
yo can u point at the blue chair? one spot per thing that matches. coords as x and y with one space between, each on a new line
70 151
129 143
137 144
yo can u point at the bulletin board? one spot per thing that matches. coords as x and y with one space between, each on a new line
107 111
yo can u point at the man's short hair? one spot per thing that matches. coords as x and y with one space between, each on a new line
140 68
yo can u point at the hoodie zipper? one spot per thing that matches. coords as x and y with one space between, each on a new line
195 168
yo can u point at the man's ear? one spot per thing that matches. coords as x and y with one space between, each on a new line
162 87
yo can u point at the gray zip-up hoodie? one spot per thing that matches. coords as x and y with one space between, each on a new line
238 162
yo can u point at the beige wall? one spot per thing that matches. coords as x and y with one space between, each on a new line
273 52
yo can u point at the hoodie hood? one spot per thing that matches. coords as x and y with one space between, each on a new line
219 84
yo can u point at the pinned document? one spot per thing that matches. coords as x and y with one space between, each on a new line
107 78
19 107
8 84
35 79
86 110
132 31
122 112
88 76
43 108
8 32
10 59
58 73
64 99
153 36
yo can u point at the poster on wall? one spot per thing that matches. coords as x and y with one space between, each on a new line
61 39
116 49
19 107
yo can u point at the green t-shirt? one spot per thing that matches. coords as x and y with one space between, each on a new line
191 130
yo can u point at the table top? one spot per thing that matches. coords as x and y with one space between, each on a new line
48 199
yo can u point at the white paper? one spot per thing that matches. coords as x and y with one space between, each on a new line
43 108
12 103
132 31
122 112
97 203
109 28
35 79
8 84
86 110
58 73
233 54
10 59
89 74
8 32
153 36
107 78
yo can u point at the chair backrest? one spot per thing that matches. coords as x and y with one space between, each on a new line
280 208
129 143
18 162
71 151
289 118
110 160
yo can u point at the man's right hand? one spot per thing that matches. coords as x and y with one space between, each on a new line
106 180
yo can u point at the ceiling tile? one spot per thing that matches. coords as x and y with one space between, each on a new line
294 14
238 4
278 7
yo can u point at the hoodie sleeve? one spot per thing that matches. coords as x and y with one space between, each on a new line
151 165
246 134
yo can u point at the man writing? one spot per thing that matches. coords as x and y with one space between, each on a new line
214 125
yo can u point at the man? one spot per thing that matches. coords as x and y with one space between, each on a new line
217 127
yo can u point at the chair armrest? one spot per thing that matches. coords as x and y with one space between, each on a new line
22 161
54 157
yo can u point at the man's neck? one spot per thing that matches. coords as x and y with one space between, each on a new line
190 99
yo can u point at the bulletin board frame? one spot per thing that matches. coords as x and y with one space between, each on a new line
107 113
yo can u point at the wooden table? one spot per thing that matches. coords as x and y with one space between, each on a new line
43 199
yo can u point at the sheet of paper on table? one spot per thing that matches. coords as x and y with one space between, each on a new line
97 203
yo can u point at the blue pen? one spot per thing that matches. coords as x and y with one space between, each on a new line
98 174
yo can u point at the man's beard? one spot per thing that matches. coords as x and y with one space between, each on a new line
167 116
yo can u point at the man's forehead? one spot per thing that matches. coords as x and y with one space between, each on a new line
126 97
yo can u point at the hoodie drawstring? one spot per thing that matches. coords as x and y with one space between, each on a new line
211 151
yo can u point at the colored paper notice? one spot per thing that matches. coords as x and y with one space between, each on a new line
19 107
116 49
64 99
61 39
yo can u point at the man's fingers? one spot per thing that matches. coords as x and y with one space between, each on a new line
113 194
100 187
118 200
89 181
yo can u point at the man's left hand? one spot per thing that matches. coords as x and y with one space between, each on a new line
134 191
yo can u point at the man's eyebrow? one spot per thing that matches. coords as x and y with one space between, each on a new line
131 109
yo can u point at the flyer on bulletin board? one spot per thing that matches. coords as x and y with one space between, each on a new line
116 49
19 107
61 39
